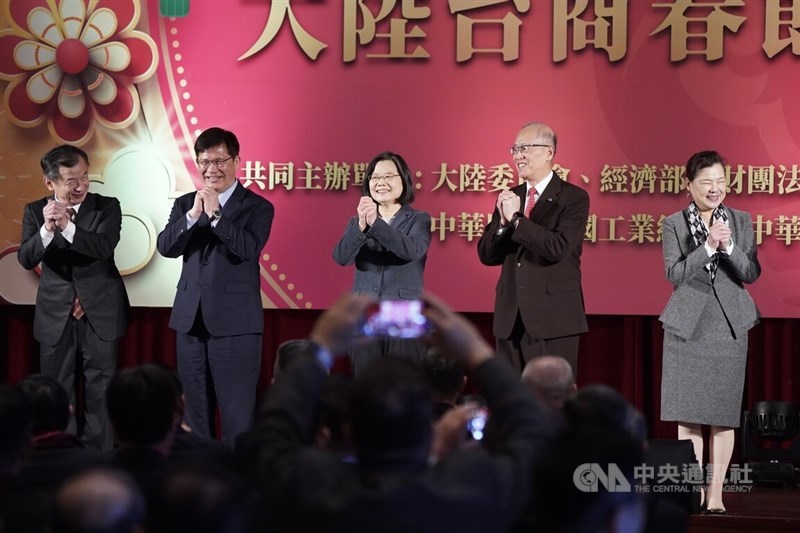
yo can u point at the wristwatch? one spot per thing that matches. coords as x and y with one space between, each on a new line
216 214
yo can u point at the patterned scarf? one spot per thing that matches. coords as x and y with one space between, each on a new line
700 231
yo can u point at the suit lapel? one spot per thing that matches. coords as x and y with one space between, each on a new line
686 233
522 191
401 216
87 213
234 203
230 209
548 198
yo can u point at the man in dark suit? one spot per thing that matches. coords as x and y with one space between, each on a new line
535 234
81 306
220 231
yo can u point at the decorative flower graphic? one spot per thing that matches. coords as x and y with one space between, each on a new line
74 63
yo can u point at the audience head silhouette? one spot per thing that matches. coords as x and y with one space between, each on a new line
446 375
99 501
51 409
601 405
15 428
551 380
392 415
201 500
144 404
569 497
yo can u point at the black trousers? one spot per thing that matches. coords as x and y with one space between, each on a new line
521 347
83 364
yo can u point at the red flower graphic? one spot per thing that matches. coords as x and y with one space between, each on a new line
74 63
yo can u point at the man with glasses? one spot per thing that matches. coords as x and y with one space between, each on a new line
535 234
81 305
220 231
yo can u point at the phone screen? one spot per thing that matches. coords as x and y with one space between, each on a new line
476 425
396 318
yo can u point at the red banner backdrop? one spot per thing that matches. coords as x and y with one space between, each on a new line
314 89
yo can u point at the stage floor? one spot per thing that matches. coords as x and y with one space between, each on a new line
762 509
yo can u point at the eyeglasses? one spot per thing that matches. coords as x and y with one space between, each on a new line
525 149
221 164
387 177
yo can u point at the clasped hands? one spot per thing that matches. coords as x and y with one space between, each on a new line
55 216
508 203
205 201
719 235
367 211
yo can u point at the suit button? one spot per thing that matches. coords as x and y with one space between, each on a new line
519 265
375 289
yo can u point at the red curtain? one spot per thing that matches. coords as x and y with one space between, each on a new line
621 351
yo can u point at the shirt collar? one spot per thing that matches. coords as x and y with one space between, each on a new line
76 207
225 196
541 186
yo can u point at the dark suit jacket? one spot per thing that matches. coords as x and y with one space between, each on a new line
389 259
84 267
221 268
473 489
541 263
684 263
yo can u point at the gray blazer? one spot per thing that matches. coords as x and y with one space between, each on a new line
389 258
684 262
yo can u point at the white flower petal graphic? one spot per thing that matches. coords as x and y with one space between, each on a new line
113 56
43 26
33 55
102 88
73 13
71 101
101 25
43 85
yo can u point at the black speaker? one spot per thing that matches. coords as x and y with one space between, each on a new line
677 454
773 473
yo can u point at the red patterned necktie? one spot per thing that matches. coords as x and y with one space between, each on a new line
531 201
77 308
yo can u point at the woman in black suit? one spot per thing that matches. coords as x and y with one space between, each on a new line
388 242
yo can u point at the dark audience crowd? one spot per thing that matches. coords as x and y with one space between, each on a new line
397 450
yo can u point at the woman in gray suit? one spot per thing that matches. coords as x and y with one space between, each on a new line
388 242
709 254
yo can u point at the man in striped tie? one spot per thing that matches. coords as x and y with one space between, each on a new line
535 234
82 307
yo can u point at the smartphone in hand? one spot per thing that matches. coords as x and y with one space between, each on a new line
396 318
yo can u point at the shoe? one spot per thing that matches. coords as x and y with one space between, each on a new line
715 510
